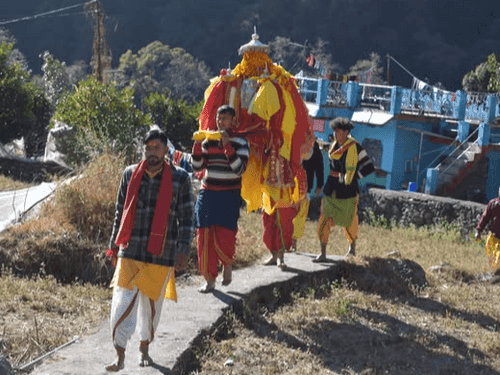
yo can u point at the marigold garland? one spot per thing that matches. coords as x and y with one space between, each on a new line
252 66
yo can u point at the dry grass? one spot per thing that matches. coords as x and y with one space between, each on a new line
358 327
40 314
10 184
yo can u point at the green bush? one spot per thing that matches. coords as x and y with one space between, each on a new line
104 119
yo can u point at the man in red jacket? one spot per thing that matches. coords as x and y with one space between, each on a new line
491 215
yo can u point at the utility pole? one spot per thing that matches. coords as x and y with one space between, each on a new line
101 58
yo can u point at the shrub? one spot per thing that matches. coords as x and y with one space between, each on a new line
105 120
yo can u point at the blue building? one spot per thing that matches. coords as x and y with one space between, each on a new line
422 139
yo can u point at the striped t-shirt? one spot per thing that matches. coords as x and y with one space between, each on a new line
223 165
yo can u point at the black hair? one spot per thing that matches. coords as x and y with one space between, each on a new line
156 133
226 109
342 123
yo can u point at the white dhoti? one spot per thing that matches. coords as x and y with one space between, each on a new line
130 308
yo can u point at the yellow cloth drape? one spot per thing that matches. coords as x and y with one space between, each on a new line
266 102
266 105
207 134
209 89
300 219
289 125
351 159
493 249
251 186
148 278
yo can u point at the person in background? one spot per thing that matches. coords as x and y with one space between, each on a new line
218 206
348 163
491 216
314 167
180 158
151 237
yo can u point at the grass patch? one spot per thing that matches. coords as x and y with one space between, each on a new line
7 184
370 322
40 314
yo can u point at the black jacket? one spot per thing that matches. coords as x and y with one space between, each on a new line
315 166
336 185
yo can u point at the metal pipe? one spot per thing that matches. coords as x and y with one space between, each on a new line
26 366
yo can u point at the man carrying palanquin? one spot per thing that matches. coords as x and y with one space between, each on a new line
272 116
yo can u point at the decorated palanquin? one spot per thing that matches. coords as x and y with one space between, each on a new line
272 116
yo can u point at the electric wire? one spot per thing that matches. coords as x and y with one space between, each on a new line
42 15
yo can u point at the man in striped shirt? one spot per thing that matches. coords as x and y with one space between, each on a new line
348 163
218 206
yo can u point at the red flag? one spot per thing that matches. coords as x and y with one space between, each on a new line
310 60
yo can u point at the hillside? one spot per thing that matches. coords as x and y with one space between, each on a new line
438 41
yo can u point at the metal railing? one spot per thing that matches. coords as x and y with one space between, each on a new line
477 105
337 93
438 157
308 88
376 96
430 100
457 149
427 100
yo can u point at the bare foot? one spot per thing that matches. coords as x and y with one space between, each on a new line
271 261
227 275
145 359
119 363
320 258
352 249
281 263
207 288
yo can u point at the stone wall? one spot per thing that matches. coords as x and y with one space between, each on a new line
418 209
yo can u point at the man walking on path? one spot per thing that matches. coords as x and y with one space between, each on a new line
491 215
348 163
151 237
219 201
314 166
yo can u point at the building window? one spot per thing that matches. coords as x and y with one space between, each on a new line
408 166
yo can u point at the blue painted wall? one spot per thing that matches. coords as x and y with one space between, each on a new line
400 147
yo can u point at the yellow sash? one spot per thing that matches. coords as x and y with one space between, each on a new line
351 160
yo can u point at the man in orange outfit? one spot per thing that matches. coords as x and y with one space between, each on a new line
151 237
223 161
